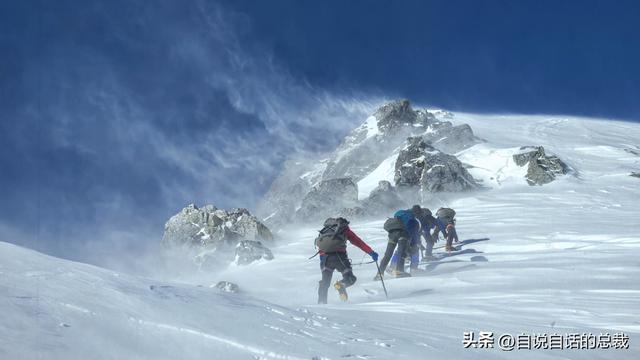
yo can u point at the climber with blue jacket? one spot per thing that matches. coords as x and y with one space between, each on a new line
403 230
427 222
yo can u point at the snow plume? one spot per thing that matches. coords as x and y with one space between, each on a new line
128 112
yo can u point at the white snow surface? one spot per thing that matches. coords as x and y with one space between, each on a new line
494 167
559 258
371 126
384 171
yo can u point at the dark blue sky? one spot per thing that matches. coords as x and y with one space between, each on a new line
116 114
573 57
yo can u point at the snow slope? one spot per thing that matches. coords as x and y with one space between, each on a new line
560 258
384 171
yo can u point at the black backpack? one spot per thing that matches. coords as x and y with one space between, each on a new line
332 237
446 214
393 224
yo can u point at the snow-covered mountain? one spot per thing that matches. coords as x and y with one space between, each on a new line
365 157
421 152
560 258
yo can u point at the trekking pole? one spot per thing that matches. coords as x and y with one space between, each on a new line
363 263
382 281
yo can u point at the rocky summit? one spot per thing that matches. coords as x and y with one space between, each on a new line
387 129
310 188
396 115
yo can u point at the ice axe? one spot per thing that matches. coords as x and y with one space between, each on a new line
382 281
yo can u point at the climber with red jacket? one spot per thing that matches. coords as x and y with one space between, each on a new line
332 248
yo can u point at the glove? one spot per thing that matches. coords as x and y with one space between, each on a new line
374 255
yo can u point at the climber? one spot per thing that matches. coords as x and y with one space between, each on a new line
428 222
332 248
447 221
403 229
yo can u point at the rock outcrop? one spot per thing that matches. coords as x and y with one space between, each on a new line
228 287
327 199
635 150
542 168
208 230
383 199
420 165
248 251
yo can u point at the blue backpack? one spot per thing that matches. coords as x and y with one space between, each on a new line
408 219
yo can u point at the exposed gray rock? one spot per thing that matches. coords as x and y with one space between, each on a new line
382 199
419 165
208 230
410 163
445 172
228 287
248 251
247 225
353 212
398 114
328 199
193 226
542 168
446 137
633 150
635 174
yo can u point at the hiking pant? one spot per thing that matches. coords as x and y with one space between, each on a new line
413 251
451 235
430 242
399 238
334 261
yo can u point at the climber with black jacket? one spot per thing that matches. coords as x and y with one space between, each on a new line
332 248
446 220
428 222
